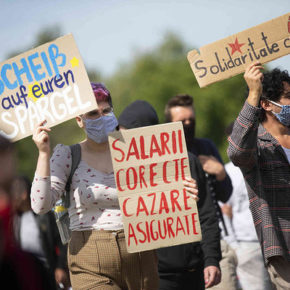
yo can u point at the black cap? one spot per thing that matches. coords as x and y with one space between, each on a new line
138 114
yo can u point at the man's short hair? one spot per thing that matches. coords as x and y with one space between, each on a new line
177 101
273 84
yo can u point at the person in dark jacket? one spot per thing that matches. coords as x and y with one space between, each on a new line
181 108
38 234
193 265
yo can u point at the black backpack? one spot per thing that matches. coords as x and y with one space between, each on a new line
76 156
62 219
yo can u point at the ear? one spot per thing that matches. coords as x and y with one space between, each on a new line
266 105
80 122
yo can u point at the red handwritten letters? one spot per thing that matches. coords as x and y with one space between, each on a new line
150 164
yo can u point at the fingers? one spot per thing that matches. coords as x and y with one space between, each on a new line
203 159
254 70
190 179
206 277
42 123
218 277
209 279
191 187
40 127
212 276
213 158
41 138
253 77
40 130
253 66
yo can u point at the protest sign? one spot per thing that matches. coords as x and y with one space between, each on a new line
49 82
150 164
230 56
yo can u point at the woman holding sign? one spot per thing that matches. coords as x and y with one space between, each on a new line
97 254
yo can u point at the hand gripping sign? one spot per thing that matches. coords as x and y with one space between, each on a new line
230 56
150 164
49 82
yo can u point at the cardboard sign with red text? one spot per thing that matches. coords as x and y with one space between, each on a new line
230 56
46 83
150 164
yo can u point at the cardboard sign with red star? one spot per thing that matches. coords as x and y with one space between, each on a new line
230 56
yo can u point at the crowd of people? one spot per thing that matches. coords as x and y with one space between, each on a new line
243 206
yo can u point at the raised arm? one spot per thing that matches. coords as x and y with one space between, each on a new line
50 175
254 77
242 148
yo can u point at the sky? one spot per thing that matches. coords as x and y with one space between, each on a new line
111 32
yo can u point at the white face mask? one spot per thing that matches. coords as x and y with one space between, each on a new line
99 129
284 115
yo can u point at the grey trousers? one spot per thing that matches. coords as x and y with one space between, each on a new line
228 265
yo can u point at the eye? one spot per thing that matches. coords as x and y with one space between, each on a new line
107 110
94 113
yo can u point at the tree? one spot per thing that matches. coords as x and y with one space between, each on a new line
154 76
164 72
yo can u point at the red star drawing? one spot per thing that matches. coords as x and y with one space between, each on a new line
236 46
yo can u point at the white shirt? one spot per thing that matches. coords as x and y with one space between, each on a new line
30 235
93 197
242 222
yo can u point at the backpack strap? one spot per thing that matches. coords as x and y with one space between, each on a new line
76 155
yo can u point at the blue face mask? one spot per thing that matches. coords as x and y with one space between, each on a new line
99 129
284 115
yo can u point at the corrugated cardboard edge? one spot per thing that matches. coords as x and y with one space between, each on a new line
192 56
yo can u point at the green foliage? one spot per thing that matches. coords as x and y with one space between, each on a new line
153 76
47 35
158 75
